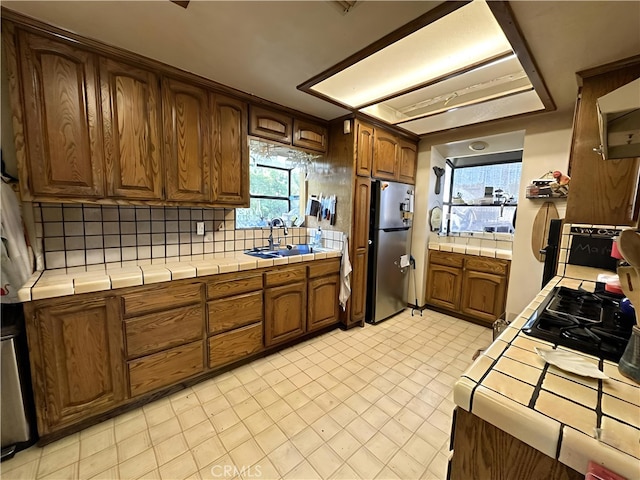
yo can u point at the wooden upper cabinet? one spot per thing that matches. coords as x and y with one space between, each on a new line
187 141
602 192
408 160
76 357
131 118
271 125
385 156
230 151
63 151
364 149
310 135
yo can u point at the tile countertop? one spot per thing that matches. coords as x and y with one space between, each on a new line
70 281
570 418
471 250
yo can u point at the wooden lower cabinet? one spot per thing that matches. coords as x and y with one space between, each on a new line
482 451
322 302
235 345
97 352
285 313
233 312
443 286
165 368
158 331
76 355
471 286
483 295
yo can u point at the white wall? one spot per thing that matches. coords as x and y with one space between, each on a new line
425 200
547 145
543 151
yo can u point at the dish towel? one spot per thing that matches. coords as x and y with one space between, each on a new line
16 265
345 272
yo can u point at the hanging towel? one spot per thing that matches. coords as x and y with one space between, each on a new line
345 272
16 264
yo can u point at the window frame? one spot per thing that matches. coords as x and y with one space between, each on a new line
288 198
449 189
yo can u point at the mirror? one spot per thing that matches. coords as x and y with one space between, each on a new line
435 219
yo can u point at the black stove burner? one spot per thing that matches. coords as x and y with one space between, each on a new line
588 322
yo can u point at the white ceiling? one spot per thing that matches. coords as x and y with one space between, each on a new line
267 48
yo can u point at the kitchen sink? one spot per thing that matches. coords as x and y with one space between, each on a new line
283 252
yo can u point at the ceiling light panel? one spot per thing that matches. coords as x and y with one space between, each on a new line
491 110
493 80
465 37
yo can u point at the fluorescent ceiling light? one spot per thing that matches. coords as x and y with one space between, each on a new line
463 58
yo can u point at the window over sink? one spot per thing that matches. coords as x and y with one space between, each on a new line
481 193
277 182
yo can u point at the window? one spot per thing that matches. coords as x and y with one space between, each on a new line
482 197
275 186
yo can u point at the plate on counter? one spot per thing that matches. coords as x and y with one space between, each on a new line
570 362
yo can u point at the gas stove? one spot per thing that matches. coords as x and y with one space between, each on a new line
588 322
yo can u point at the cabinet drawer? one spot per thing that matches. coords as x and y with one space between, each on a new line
158 331
165 368
233 284
446 258
322 268
234 345
488 265
229 313
160 298
285 275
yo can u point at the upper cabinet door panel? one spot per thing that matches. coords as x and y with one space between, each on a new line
364 149
385 156
64 141
272 125
187 142
310 135
408 160
130 103
230 151
602 192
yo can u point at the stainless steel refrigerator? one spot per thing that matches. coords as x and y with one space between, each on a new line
389 251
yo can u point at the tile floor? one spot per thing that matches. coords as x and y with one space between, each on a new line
366 403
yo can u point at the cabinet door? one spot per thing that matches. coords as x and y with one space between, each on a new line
385 156
443 286
408 159
131 118
602 192
62 122
310 135
360 249
322 302
285 309
77 360
187 141
483 295
230 152
364 149
272 125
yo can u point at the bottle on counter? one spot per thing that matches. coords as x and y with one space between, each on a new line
317 237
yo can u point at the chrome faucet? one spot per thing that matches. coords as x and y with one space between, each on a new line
274 223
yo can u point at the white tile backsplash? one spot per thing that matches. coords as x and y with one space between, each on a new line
81 236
